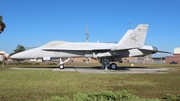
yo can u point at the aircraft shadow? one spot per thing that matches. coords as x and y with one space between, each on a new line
118 68
40 67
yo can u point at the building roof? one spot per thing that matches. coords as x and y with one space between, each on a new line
2 52
177 50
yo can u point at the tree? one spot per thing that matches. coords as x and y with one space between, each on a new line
18 49
2 25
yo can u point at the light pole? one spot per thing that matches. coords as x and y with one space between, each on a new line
87 33
132 64
161 56
131 25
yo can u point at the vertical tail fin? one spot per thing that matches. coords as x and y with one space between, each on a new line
134 38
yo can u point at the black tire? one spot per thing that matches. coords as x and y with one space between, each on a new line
113 66
61 66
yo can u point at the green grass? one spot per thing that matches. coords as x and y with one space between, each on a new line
29 85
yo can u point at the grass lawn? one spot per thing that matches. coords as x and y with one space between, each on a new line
18 85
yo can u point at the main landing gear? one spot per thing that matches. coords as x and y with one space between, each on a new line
61 63
106 64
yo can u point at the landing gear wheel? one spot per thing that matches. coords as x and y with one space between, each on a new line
113 66
61 66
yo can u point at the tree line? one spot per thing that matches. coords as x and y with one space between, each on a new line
2 25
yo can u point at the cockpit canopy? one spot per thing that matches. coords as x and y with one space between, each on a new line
54 43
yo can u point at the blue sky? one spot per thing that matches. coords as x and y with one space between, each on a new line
36 22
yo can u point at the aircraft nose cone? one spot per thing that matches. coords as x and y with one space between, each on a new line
16 56
13 56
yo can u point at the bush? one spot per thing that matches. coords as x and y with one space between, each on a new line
171 97
81 97
103 96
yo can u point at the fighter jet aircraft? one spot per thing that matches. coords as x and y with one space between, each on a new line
131 45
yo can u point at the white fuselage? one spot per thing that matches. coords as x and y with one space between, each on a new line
82 49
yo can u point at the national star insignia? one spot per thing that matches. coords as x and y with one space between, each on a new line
134 38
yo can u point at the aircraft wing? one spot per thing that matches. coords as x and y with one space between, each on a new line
76 49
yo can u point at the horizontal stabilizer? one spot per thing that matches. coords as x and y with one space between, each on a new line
165 52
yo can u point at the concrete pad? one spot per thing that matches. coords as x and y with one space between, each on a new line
98 70
18 68
123 70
